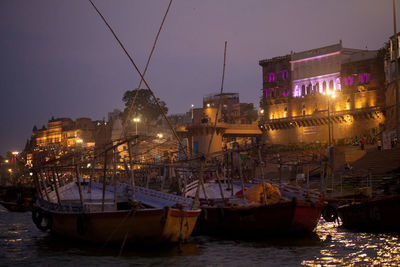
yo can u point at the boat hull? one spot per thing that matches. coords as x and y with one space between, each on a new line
282 218
13 206
142 225
375 215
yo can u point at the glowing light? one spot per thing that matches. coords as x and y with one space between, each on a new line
9 170
88 165
262 111
160 135
15 153
208 105
31 173
192 106
137 119
79 141
6 161
271 77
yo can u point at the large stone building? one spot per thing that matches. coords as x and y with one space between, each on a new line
303 92
236 122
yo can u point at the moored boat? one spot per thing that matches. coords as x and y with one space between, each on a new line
297 211
376 214
14 206
155 217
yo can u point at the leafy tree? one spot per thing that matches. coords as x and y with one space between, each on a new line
145 106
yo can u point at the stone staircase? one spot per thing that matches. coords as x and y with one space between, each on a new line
379 162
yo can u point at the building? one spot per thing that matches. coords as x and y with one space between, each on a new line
325 93
236 123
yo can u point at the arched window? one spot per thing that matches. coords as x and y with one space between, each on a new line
303 90
317 87
331 87
366 77
324 87
309 89
349 81
284 74
338 85
271 77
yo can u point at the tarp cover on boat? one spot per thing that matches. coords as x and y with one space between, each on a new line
255 194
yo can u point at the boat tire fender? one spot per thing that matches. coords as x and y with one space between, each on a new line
39 217
329 213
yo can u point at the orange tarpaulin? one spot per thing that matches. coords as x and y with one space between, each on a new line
255 194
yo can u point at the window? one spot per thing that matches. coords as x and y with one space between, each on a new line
303 90
309 89
324 86
331 87
284 74
348 81
271 77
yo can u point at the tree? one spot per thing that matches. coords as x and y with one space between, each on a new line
144 106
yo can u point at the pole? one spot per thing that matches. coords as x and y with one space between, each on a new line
329 124
55 186
44 186
396 47
104 181
240 174
92 174
114 176
262 175
132 178
79 184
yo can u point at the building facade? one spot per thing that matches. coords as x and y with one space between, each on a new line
331 94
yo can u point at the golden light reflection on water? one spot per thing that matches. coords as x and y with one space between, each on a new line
343 247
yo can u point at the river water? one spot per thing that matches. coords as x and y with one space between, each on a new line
22 244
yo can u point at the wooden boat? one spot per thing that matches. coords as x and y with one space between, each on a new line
377 214
298 211
159 218
15 207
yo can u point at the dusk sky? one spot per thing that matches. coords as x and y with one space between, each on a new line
59 59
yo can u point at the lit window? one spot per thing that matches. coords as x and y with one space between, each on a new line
284 74
271 77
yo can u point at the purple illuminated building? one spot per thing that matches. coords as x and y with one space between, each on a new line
299 87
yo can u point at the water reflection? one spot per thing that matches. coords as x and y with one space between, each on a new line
352 248
21 243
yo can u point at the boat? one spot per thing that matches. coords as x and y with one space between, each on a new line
16 198
15 206
373 214
297 211
82 211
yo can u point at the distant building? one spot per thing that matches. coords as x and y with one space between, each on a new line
236 122
297 89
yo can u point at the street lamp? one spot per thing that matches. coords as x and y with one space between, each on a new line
136 120
192 111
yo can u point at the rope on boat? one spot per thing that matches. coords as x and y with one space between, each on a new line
130 110
142 77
